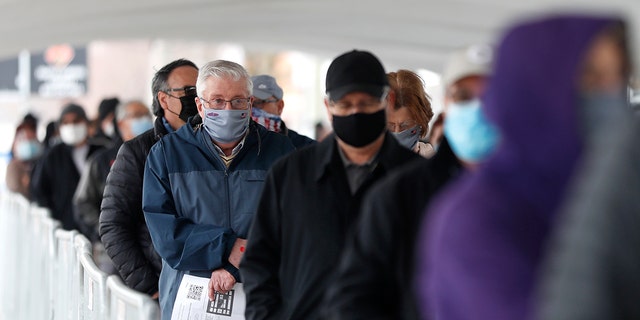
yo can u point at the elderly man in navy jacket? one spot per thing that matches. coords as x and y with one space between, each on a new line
201 184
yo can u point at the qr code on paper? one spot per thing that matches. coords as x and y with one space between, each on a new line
195 292
223 304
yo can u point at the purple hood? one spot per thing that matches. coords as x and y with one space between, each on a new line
483 242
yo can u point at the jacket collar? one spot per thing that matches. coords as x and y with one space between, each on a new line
158 128
388 155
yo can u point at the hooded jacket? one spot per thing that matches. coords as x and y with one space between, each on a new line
196 207
482 247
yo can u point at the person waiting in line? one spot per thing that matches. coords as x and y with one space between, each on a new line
25 151
381 252
133 118
267 108
57 174
481 247
106 127
591 268
123 230
312 198
408 115
52 135
202 183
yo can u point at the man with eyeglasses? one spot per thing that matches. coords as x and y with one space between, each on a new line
123 229
267 108
311 198
201 184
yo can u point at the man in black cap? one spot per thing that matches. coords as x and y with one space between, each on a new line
56 175
267 107
312 197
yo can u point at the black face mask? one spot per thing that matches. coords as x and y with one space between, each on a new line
359 129
189 107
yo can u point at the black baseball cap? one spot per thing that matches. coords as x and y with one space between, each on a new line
355 71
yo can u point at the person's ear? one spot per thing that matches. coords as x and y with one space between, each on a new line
329 114
200 107
280 105
162 99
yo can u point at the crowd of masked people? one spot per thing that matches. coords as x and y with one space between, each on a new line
519 201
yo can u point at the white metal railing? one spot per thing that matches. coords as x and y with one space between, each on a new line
49 273
127 304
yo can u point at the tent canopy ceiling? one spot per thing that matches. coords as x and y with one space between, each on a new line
403 33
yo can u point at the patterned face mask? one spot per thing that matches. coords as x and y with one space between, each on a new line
268 120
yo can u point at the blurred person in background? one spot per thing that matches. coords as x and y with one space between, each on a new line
123 230
320 131
268 106
31 120
593 266
381 253
480 251
52 135
437 131
56 175
106 126
25 151
133 118
408 115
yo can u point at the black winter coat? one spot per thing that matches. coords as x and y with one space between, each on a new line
88 197
54 181
123 230
375 275
304 217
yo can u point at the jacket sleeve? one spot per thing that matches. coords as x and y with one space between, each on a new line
364 285
261 262
121 220
40 183
183 244
86 201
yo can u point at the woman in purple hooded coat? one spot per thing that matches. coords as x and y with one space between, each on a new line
482 245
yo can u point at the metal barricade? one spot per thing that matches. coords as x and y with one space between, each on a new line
128 304
65 261
94 305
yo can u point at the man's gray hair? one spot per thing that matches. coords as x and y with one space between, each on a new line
223 69
121 109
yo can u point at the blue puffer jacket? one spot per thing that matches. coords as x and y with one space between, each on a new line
196 207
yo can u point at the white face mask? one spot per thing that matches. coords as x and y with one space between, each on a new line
72 134
109 129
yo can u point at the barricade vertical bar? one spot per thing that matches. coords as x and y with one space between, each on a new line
128 304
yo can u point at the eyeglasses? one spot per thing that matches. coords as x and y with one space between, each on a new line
219 103
188 91
402 126
259 103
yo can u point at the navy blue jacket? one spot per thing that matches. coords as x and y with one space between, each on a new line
196 207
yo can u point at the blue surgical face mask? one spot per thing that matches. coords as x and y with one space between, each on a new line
272 122
471 136
28 150
226 126
140 125
408 138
